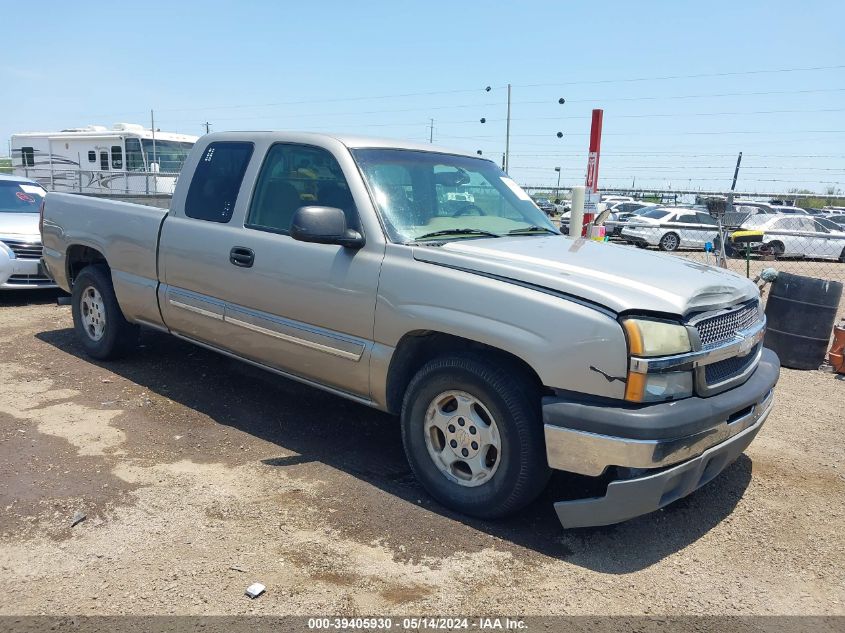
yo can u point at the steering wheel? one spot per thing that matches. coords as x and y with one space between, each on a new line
464 210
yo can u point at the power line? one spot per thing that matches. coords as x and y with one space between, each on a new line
669 77
690 133
662 97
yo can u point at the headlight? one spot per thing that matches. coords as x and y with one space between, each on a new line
8 251
658 387
655 338
647 338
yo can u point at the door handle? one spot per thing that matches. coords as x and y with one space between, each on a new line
242 256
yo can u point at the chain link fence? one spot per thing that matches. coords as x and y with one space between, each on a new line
104 182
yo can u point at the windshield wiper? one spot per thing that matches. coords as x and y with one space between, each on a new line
533 229
446 232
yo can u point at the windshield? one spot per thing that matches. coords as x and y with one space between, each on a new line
20 197
418 194
170 155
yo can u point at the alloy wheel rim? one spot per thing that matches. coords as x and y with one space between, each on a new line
93 313
462 438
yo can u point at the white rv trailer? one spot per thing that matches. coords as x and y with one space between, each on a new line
126 159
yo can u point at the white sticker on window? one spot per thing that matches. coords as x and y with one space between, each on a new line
515 188
33 189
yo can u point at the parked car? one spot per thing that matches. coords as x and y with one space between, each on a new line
449 319
752 207
620 213
20 241
671 228
796 236
546 205
783 208
837 219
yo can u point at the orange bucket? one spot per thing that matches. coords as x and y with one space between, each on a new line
837 350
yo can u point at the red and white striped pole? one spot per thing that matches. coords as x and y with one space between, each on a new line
592 183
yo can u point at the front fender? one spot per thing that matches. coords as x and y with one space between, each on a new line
570 345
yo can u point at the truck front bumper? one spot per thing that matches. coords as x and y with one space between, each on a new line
671 448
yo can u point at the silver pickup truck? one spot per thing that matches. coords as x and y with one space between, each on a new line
426 283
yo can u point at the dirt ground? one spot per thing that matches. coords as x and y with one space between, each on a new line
199 475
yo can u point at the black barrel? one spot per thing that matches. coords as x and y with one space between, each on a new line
800 313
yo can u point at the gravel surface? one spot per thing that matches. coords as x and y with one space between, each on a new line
198 475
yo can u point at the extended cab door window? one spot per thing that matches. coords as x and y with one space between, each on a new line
216 181
295 176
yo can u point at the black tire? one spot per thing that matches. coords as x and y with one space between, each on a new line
670 242
118 336
513 402
842 256
777 249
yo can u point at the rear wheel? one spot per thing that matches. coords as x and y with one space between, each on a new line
97 319
777 249
670 242
473 436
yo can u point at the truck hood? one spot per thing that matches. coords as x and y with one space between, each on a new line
620 278
23 225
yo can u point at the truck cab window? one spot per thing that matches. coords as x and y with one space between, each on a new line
217 179
104 160
295 176
116 157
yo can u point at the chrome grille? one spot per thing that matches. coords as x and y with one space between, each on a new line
722 327
24 250
723 370
29 280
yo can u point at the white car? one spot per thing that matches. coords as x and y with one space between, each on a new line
797 236
671 228
20 239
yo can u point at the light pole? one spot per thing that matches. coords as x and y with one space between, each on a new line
505 160
557 191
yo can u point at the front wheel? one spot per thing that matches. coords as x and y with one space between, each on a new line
473 436
97 319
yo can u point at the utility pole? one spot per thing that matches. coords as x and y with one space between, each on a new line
207 127
508 134
431 132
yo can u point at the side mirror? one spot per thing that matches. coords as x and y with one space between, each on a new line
324 225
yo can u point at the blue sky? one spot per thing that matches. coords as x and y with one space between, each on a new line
387 68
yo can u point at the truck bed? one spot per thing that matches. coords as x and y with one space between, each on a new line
126 234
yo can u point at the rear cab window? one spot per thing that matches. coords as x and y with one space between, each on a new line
217 180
